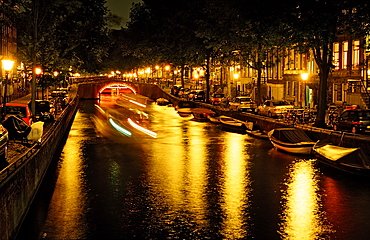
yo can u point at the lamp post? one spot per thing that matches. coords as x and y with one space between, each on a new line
235 83
38 72
304 77
167 69
7 66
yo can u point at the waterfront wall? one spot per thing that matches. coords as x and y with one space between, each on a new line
20 181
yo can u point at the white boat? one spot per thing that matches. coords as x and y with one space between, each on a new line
348 159
291 140
233 124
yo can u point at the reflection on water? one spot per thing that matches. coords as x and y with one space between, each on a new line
302 216
236 188
70 203
177 178
193 181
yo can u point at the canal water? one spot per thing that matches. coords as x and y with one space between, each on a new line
132 172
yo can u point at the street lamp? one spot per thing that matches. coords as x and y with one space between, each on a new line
167 69
7 66
38 72
304 77
235 84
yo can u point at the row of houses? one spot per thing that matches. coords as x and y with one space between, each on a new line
294 76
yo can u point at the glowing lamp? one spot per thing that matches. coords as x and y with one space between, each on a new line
304 76
38 71
7 64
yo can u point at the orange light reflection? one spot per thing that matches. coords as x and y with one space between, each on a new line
236 188
69 191
302 216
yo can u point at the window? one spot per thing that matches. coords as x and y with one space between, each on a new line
345 55
336 56
339 92
356 54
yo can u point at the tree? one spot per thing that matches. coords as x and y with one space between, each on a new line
316 25
261 30
59 34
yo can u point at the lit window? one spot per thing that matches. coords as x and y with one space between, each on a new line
336 56
345 55
356 54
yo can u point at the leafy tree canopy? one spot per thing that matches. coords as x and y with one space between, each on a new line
60 33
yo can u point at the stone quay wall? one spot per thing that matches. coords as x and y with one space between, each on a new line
19 182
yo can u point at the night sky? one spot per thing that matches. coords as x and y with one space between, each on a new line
121 8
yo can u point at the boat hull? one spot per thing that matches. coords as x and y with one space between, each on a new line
232 124
296 148
258 134
202 114
346 159
291 140
342 167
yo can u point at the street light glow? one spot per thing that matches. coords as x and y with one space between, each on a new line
7 64
38 71
304 76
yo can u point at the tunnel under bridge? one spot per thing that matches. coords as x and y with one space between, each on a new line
93 90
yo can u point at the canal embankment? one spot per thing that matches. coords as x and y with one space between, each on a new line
20 180
267 123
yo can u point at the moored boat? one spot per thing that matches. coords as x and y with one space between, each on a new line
233 124
347 159
184 108
214 119
291 140
258 134
202 114
162 101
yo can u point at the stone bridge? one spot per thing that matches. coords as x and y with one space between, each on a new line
91 88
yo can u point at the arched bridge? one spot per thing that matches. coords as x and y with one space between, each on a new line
92 87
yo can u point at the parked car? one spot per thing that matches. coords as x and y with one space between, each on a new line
19 109
4 138
217 98
243 104
355 121
44 111
274 108
183 92
197 95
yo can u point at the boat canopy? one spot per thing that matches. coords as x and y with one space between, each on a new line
291 135
344 155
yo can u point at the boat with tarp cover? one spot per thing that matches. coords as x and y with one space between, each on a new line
347 159
292 140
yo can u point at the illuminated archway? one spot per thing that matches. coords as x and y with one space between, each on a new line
118 87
